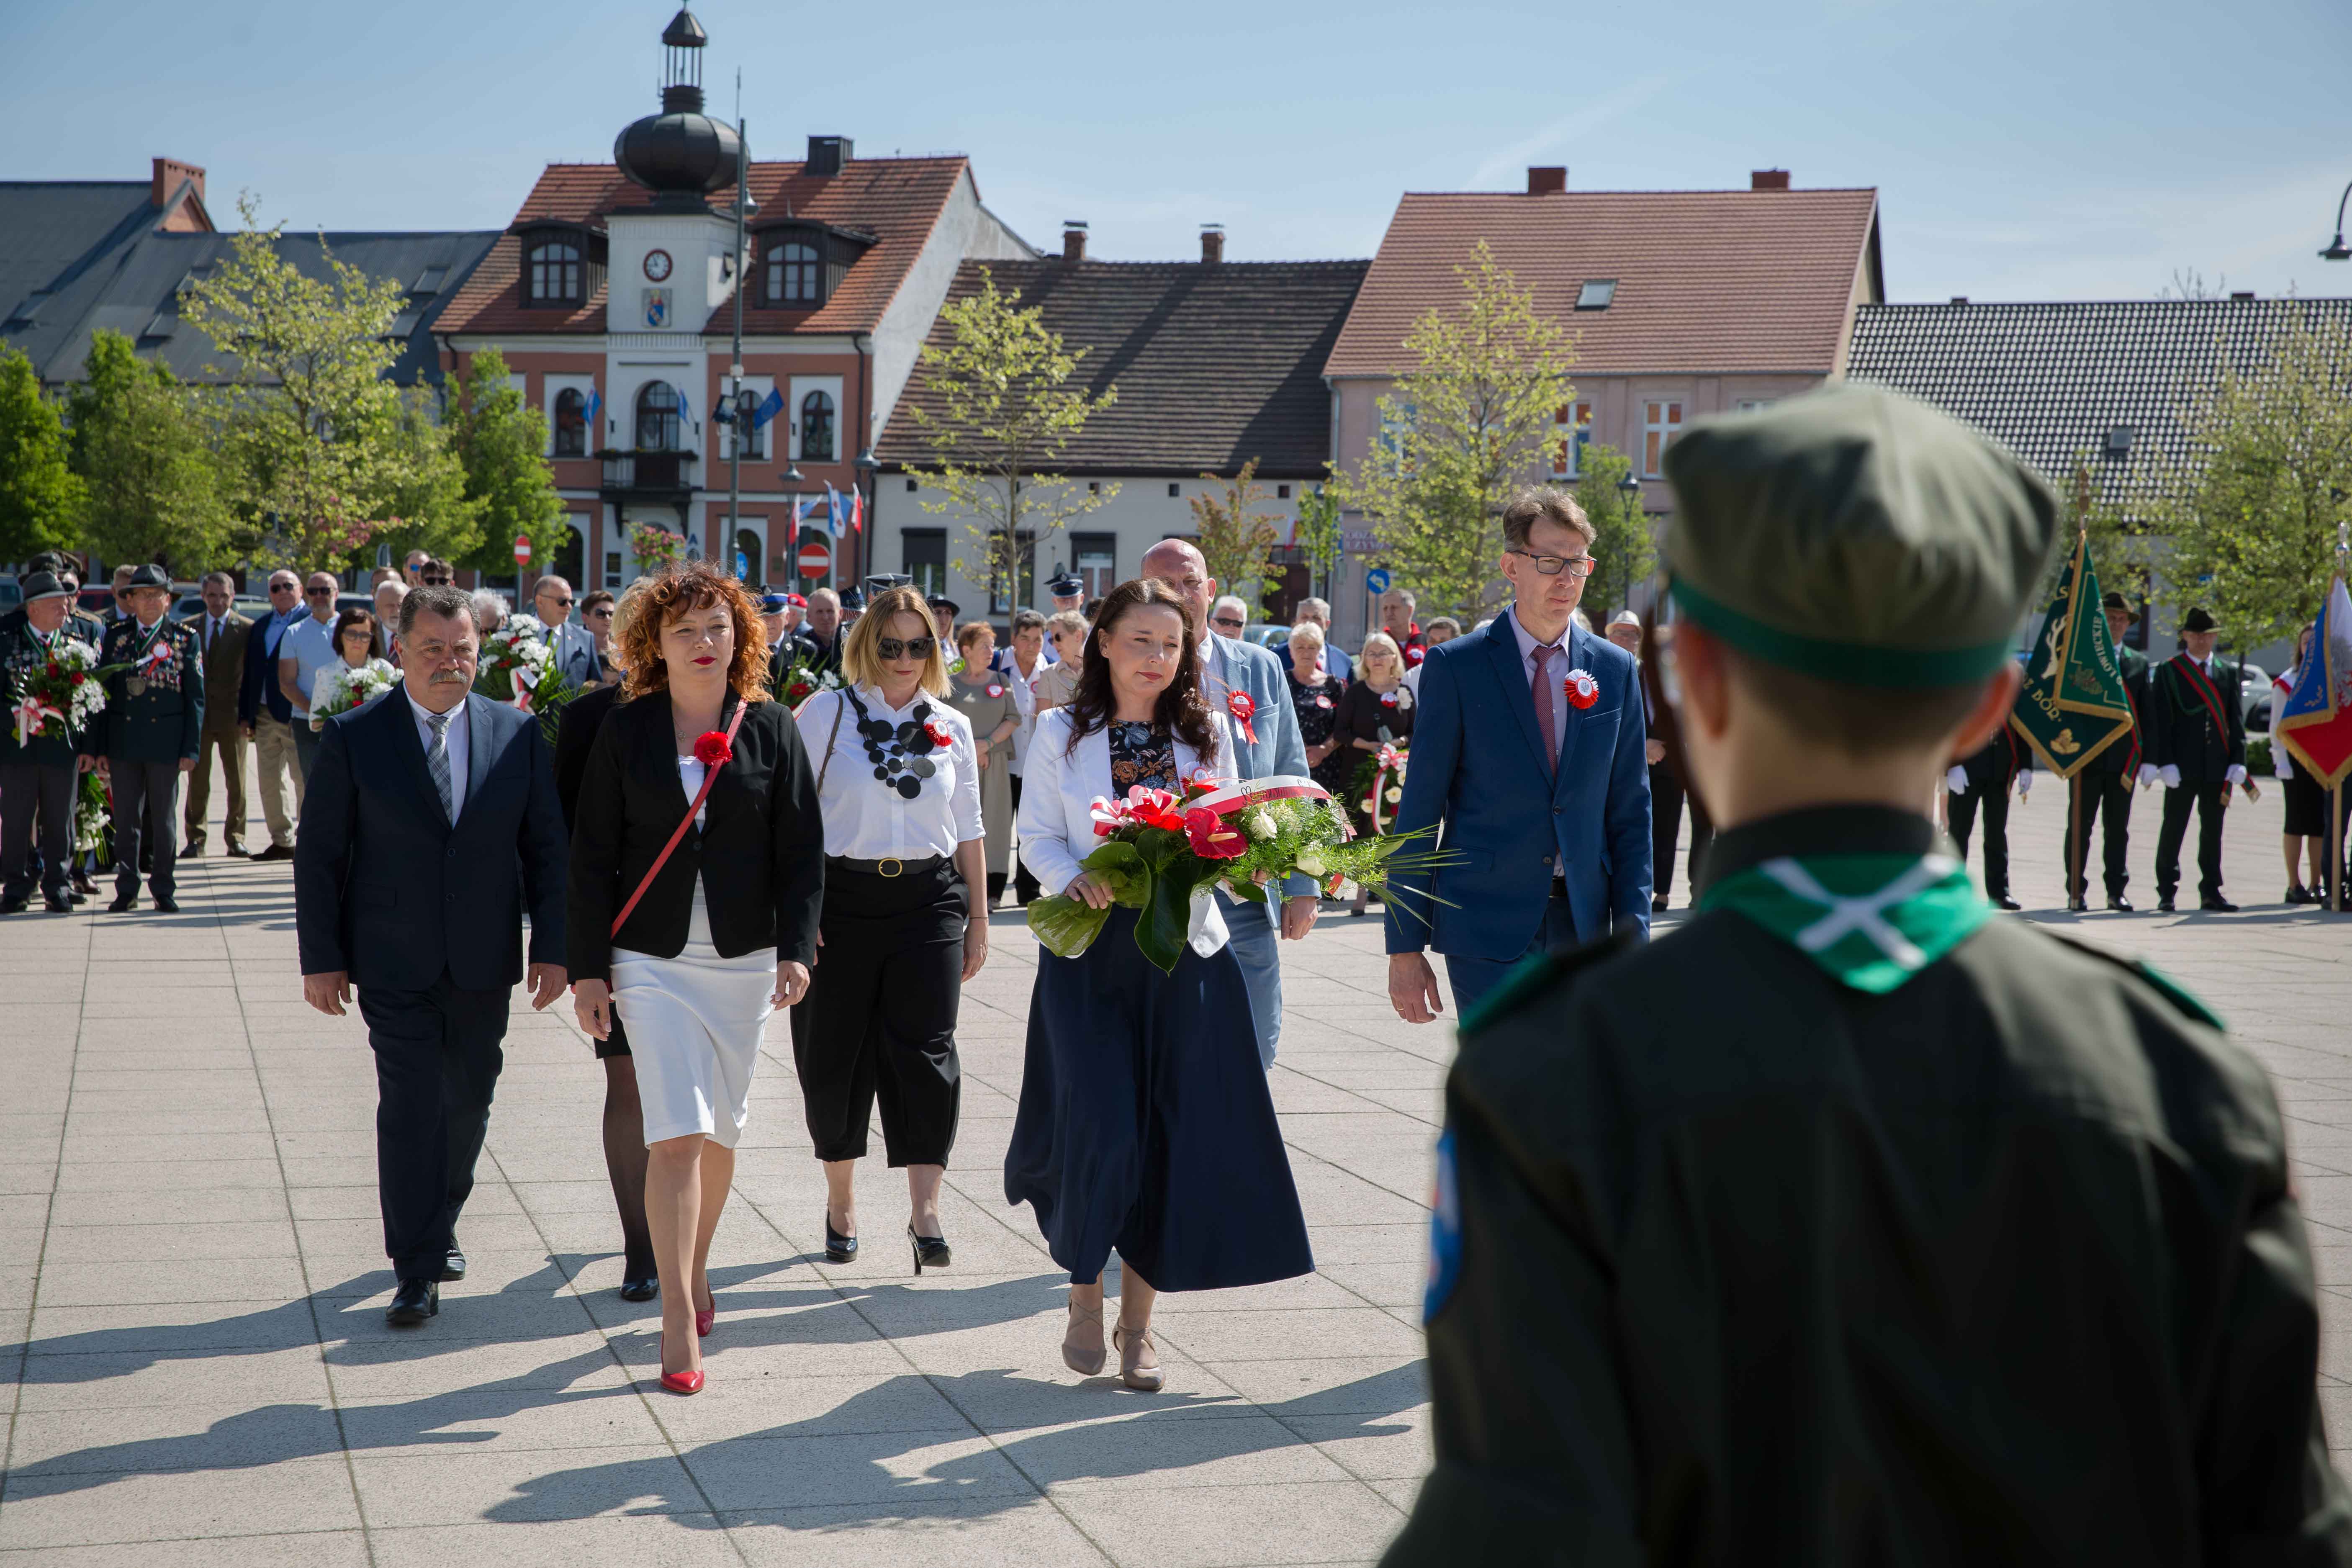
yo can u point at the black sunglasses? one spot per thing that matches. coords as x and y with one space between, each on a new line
912 648
438 581
1226 621
317 592
600 613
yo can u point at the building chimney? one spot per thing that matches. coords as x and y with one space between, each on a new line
2241 293
826 155
1074 239
1767 179
1212 243
1548 182
169 173
1960 299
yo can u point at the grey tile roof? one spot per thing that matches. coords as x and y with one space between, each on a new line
1215 363
53 231
2052 381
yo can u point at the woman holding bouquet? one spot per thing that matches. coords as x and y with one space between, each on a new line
904 926
1145 1124
697 872
353 640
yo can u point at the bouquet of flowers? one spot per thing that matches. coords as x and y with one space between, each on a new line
1159 850
518 667
92 812
1379 783
64 693
804 680
342 688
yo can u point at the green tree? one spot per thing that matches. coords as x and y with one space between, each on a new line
1237 540
143 452
423 501
1625 547
1463 430
1321 537
2250 512
502 441
315 441
998 414
40 499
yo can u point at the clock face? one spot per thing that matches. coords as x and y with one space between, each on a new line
657 265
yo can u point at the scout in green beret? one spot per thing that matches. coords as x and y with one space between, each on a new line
1853 1222
146 735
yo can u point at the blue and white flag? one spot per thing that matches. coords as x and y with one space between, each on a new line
685 416
595 410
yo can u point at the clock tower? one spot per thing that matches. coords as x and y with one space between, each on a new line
669 256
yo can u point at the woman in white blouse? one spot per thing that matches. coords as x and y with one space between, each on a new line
899 787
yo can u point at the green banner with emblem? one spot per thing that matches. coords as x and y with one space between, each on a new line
2073 704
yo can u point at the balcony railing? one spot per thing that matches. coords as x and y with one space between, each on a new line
663 473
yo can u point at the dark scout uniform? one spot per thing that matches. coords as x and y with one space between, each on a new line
153 719
2107 782
1854 1222
2195 726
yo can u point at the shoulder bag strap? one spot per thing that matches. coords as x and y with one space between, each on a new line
827 766
709 777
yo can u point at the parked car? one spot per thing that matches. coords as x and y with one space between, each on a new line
2255 697
1267 635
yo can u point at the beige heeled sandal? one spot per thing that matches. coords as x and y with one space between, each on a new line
1082 1343
1139 1364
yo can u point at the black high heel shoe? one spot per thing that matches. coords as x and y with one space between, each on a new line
838 1248
931 1252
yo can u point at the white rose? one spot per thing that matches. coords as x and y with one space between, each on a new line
1260 825
1311 862
1395 795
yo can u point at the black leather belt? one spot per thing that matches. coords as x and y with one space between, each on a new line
888 866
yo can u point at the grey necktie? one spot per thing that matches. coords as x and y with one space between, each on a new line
437 757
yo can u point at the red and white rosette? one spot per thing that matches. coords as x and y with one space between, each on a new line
1583 692
1243 708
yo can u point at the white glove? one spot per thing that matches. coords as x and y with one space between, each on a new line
2170 775
2236 773
2024 782
2147 775
1956 780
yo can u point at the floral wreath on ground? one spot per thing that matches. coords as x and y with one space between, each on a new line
342 688
1380 784
519 668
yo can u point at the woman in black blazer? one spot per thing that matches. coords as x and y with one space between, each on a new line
726 928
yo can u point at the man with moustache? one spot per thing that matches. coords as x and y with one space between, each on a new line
430 828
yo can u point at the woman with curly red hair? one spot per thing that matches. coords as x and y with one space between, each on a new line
697 870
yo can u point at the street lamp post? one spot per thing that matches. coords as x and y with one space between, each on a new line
2336 249
739 413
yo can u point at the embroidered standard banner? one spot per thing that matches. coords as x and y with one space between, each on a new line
2073 704
2316 721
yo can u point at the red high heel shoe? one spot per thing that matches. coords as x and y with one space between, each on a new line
681 1382
705 1318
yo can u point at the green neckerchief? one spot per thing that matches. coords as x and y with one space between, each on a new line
1871 920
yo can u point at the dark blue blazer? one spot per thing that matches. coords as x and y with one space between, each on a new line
260 688
388 889
1510 823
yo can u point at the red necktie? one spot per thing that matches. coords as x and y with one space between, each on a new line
1539 689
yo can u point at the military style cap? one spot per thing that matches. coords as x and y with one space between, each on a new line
149 577
43 585
879 580
773 602
940 602
851 599
2196 620
1857 535
1065 584
796 602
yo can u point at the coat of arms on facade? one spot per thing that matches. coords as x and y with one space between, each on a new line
656 308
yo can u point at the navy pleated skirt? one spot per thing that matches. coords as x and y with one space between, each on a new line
1146 1126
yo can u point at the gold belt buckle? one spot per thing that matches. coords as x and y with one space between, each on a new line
889 866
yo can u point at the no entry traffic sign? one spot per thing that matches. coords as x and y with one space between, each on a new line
522 549
815 557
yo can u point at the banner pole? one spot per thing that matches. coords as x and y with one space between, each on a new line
2335 846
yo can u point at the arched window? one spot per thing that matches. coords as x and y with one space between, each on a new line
816 428
792 273
570 424
551 272
658 422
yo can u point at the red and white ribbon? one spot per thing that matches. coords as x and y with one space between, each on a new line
1227 799
33 715
523 687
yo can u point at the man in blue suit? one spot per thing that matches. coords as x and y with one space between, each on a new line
430 827
1230 668
1529 749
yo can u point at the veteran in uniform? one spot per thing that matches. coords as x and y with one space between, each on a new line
147 735
2107 780
1980 784
2197 745
37 773
1852 1222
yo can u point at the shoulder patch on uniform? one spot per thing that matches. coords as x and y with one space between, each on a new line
1536 975
2184 1001
1444 1231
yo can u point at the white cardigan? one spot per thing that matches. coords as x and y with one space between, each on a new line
1058 789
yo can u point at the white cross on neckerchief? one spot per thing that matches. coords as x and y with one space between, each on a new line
1863 913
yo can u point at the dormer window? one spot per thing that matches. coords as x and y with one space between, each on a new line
796 276
551 272
563 266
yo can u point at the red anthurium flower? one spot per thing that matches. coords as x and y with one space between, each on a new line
1583 692
712 748
1214 837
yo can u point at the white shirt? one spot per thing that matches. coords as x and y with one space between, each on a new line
1556 668
455 740
1025 702
867 819
692 771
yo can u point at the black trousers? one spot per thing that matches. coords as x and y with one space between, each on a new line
880 1018
437 1057
146 824
2107 797
1668 798
1025 881
24 786
1960 813
2206 798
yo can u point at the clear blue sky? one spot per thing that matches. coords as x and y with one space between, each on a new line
2023 149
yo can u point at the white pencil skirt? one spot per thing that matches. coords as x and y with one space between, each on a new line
695 1022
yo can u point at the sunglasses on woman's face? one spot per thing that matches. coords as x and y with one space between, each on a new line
912 648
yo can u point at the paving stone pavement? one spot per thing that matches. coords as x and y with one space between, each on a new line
191 1282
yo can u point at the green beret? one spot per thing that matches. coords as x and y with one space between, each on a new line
1857 535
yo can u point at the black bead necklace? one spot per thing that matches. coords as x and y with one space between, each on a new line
901 753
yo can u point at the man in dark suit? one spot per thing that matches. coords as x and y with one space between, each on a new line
431 827
221 637
2107 780
265 718
1980 783
2196 743
37 760
1530 750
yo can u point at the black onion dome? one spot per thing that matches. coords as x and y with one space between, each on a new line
684 152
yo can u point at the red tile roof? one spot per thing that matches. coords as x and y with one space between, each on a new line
1709 282
898 200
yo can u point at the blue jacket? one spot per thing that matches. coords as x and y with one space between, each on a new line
1509 823
388 889
1280 749
260 690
